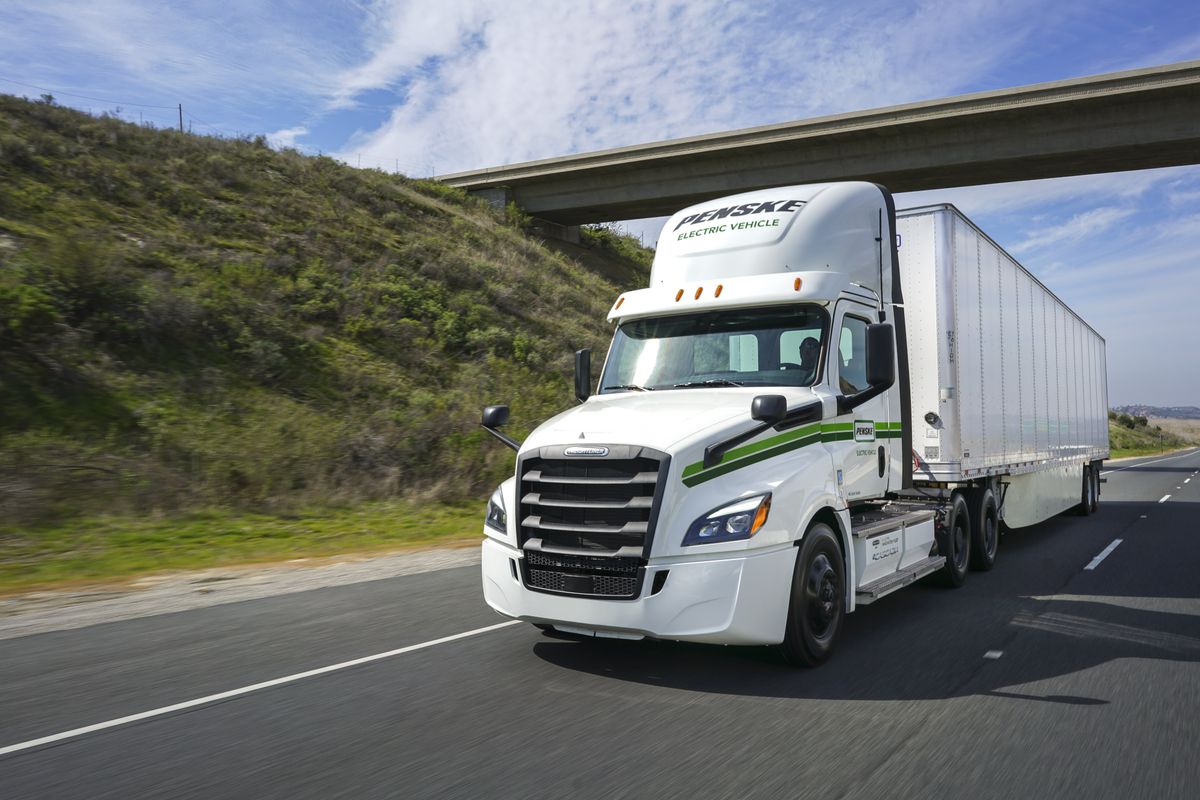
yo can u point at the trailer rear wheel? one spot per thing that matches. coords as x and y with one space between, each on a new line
985 529
954 542
818 599
1087 496
1095 488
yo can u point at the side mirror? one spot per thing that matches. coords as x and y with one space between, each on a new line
768 408
493 418
881 356
583 374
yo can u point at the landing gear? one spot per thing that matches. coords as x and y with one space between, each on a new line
818 601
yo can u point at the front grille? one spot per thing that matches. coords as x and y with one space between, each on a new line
592 517
584 575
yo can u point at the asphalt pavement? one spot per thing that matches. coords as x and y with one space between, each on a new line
1060 673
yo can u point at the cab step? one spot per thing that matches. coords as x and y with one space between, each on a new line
875 520
898 580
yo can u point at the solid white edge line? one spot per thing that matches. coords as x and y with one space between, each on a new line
1144 463
213 698
1095 562
1164 498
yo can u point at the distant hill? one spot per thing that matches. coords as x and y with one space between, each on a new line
189 321
1169 412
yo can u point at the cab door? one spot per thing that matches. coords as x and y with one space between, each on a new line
857 440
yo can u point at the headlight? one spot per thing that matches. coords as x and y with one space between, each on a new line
739 520
496 518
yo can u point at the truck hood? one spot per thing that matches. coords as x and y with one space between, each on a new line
658 419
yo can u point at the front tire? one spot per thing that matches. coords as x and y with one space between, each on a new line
818 600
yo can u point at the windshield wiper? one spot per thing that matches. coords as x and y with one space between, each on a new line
709 382
628 386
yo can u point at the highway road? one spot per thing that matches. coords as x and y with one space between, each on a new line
1060 673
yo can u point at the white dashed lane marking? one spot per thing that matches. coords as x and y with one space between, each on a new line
1095 562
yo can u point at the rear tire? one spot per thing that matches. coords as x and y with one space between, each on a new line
954 542
818 601
1095 488
985 529
1087 500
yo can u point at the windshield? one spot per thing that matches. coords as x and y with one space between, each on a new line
776 346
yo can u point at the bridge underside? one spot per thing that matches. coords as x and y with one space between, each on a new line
1110 123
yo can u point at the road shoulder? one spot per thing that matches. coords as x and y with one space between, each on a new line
64 609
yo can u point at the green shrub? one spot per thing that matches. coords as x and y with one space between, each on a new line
188 321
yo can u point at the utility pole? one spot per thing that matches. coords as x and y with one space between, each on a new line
181 117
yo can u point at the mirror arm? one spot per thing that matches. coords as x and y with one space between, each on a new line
508 441
812 411
716 451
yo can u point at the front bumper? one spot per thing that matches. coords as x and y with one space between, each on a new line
725 599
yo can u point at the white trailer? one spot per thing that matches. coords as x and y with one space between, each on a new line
1005 379
796 418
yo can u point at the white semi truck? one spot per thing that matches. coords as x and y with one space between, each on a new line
817 401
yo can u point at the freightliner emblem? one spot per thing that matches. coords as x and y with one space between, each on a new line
586 451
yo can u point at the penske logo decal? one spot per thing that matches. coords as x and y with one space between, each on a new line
744 456
864 430
744 210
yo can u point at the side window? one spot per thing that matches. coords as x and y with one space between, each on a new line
800 350
852 356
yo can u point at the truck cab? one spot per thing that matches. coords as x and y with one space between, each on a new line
749 414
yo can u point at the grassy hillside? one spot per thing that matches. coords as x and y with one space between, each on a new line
190 322
1137 436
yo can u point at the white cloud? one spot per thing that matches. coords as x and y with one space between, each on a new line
486 85
1021 196
1088 223
286 137
220 57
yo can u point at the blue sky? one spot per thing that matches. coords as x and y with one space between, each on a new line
428 88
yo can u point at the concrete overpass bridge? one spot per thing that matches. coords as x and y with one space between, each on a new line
1139 119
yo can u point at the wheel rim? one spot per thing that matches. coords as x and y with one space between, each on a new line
821 595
